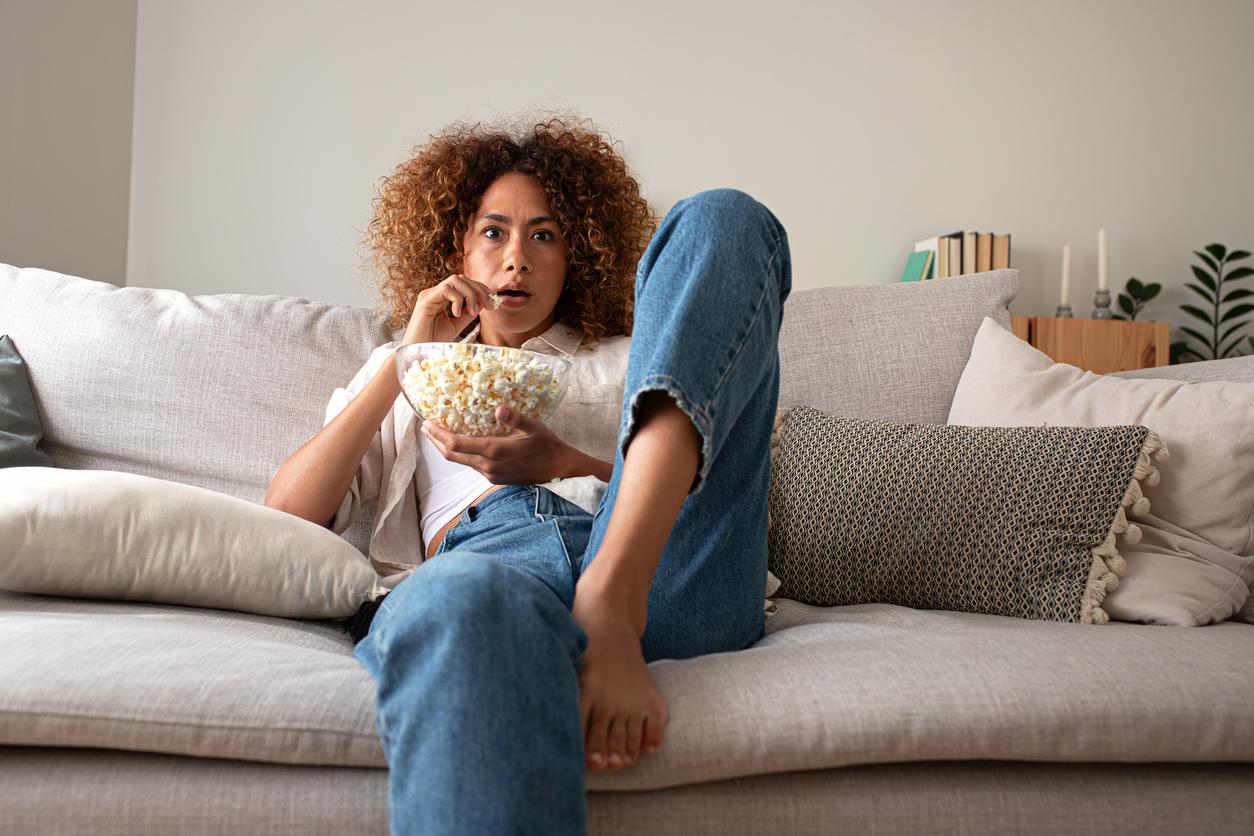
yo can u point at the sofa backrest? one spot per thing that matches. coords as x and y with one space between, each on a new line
892 352
1233 369
214 391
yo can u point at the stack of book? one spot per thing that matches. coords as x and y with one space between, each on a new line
956 254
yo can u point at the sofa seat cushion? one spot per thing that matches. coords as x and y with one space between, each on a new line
826 687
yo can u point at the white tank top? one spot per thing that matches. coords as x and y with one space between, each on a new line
444 487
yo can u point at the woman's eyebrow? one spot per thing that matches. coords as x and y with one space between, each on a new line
496 216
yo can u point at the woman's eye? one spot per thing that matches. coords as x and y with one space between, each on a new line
538 232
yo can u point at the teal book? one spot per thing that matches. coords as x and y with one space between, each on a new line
918 266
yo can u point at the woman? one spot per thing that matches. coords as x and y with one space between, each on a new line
513 659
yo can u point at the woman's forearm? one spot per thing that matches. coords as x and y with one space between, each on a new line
581 464
312 483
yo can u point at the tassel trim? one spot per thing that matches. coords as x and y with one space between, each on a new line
1108 565
358 625
777 433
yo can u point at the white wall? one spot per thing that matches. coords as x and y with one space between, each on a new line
66 82
261 128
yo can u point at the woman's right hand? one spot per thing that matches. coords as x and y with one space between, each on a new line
443 310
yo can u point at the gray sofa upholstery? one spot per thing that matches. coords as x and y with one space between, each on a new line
133 718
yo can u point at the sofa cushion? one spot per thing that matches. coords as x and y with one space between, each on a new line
1018 521
891 352
1232 369
268 366
1195 561
104 534
825 687
20 431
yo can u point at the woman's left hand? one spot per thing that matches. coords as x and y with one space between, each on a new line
533 455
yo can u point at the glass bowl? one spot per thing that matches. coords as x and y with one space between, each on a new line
459 385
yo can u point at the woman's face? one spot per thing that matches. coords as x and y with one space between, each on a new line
514 242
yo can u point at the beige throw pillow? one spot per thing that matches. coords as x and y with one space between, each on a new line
104 534
1195 562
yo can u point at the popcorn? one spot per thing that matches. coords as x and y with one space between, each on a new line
460 389
495 298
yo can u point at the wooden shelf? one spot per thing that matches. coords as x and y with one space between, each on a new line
1097 345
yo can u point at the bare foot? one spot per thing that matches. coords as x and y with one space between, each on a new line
622 711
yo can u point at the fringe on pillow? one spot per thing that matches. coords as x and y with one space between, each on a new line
1108 565
781 418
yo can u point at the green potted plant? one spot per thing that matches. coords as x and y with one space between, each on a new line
1219 313
1136 297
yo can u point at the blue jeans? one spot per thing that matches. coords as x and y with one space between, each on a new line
476 655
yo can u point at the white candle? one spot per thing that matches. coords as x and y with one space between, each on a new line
1101 259
1066 274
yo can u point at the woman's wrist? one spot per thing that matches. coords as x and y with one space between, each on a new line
579 463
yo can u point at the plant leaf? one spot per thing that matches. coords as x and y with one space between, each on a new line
1237 255
1203 292
1236 326
1238 310
1117 316
1198 312
1217 250
1195 336
1210 262
1151 290
1204 277
1239 293
1229 347
1239 273
1135 287
1125 302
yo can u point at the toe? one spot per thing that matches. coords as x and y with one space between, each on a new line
618 743
598 733
635 725
652 737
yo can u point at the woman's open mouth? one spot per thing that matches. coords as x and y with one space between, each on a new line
513 298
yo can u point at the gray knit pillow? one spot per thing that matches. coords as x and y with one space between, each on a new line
1017 521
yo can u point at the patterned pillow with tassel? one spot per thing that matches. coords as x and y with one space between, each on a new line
1015 521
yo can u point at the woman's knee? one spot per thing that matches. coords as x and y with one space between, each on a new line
727 205
468 588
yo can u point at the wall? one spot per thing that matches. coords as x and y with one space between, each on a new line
67 73
260 129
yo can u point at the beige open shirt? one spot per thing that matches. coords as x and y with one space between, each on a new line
587 418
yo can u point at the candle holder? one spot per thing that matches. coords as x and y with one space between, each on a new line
1101 304
1064 312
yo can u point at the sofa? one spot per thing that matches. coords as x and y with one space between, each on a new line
131 717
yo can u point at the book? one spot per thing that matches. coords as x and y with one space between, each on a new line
1001 252
968 252
929 245
918 265
984 252
954 253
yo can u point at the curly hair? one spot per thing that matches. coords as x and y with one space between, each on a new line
423 209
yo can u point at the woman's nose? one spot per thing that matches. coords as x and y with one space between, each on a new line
516 258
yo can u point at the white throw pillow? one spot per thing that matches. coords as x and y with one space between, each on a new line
1195 562
104 534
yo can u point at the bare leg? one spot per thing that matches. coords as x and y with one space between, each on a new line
622 710
658 470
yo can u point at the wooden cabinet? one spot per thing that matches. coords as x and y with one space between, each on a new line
1097 345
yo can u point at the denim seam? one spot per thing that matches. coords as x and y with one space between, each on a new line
756 313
